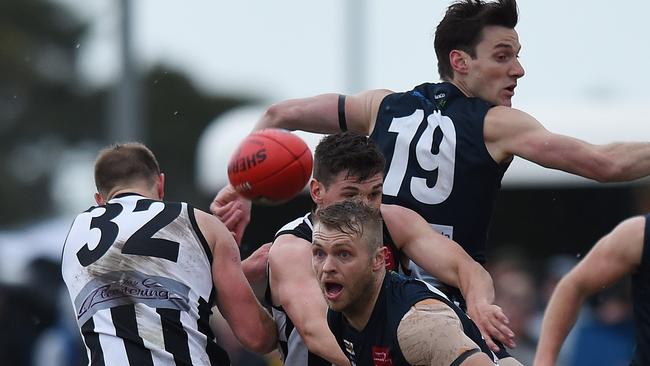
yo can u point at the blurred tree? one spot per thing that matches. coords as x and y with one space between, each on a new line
41 106
45 109
176 115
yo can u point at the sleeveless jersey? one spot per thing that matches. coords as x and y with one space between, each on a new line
294 350
377 343
437 161
641 302
138 272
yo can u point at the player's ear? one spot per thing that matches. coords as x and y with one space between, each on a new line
459 61
160 186
316 190
99 199
379 259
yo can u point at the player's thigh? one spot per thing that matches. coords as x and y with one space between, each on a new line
432 334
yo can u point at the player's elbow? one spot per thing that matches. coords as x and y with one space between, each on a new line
278 115
311 340
571 287
260 342
314 343
313 333
257 334
266 346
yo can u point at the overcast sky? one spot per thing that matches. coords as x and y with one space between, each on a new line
586 61
572 50
592 53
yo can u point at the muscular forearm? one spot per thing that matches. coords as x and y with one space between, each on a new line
560 316
323 344
629 161
476 284
254 267
266 339
251 271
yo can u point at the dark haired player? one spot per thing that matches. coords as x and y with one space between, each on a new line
448 144
349 165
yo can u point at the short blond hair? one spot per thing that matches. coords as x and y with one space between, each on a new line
354 218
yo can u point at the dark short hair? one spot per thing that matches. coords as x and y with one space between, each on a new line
121 164
354 218
347 151
462 26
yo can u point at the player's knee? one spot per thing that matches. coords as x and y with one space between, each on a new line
432 334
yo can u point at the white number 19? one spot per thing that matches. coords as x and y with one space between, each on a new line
443 160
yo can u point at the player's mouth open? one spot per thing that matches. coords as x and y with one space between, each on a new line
332 289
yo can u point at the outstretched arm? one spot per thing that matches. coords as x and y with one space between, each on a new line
512 132
448 262
252 325
235 212
614 256
294 287
320 113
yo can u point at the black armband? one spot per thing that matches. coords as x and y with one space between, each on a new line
342 122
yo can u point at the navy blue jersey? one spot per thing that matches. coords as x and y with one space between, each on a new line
292 347
377 343
437 162
641 302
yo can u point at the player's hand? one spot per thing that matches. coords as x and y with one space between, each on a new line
233 210
254 267
493 324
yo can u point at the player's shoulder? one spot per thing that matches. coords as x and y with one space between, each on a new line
401 286
509 118
631 233
301 227
393 211
424 91
213 230
634 224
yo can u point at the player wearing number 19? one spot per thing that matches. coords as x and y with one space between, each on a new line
448 144
143 274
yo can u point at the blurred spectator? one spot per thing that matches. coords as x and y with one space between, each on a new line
555 268
60 344
515 292
19 325
610 330
27 311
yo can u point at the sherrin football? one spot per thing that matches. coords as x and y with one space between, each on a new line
270 166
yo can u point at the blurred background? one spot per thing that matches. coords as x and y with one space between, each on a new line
190 78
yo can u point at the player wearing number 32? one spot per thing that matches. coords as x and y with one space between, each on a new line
448 144
143 274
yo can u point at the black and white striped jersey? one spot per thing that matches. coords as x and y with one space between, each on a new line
138 272
293 349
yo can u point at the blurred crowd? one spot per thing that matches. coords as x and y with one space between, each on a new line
38 322
523 288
